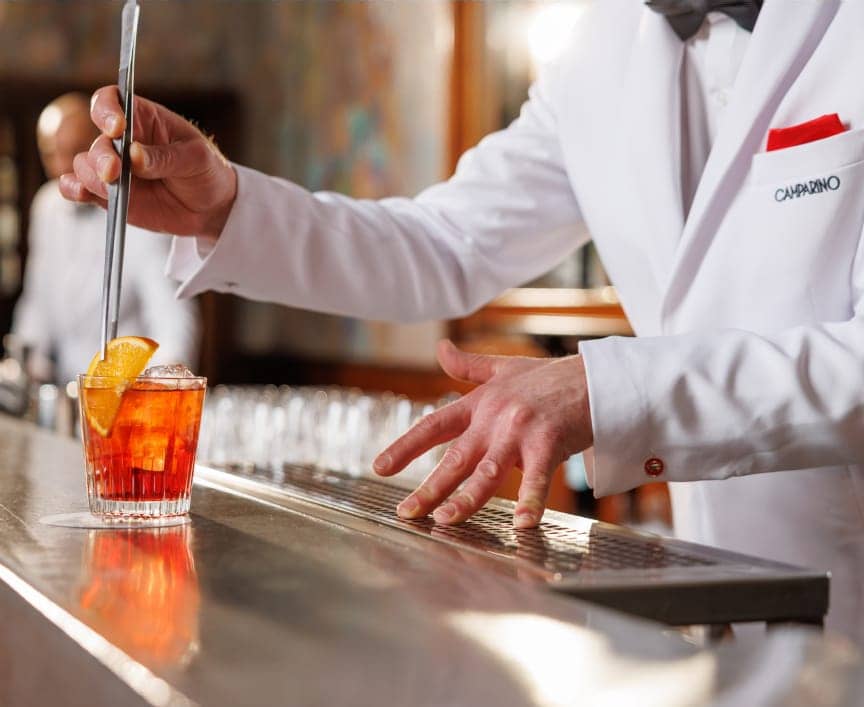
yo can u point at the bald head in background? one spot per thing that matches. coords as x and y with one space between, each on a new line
64 129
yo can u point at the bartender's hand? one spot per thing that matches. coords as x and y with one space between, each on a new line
181 182
530 413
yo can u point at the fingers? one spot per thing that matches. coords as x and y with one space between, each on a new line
534 490
430 431
104 160
470 367
71 188
496 464
106 111
153 122
456 464
102 165
184 158
87 177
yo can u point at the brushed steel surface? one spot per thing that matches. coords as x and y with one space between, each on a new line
268 600
658 578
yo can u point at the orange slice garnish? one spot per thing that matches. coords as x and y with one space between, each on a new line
126 358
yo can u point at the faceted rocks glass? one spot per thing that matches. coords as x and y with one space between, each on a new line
141 466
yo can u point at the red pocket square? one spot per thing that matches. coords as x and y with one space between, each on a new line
812 130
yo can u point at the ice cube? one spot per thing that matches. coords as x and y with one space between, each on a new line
168 370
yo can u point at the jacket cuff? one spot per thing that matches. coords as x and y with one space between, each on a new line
187 255
200 263
620 418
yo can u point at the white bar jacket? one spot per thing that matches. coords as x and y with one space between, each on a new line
749 310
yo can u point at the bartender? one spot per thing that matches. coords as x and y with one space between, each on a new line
718 163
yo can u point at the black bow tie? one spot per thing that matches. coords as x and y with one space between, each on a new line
687 16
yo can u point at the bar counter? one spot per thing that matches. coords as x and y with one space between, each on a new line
258 603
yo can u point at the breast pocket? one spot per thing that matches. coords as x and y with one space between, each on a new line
799 222
799 165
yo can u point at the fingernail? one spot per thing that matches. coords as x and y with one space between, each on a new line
408 508
112 123
445 512
526 519
382 462
144 155
102 166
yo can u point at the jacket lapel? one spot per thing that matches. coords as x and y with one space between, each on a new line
651 130
785 37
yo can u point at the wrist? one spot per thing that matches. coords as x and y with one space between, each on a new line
215 220
583 401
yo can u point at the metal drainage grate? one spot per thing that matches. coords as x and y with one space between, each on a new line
554 546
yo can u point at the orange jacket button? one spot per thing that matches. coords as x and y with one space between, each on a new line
654 466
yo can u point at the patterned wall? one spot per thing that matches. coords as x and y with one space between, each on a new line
337 94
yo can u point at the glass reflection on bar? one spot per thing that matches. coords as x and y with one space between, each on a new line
140 590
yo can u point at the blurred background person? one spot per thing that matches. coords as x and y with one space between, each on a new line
58 314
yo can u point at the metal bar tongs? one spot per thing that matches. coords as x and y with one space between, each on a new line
118 192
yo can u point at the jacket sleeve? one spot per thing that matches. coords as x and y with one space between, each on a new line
728 403
508 215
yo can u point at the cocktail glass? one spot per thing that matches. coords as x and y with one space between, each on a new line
141 465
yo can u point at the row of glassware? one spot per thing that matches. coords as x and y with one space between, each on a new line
341 429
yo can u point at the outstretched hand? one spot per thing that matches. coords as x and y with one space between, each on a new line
529 413
181 182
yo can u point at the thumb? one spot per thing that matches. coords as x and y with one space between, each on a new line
470 367
184 158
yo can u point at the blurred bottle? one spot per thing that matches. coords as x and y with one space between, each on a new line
14 382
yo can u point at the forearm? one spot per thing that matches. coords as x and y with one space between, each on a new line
333 254
508 215
398 259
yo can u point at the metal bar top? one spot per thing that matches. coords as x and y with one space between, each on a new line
258 602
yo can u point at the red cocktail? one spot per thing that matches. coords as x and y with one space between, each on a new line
140 440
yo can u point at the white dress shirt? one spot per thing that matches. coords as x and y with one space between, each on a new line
59 310
712 60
